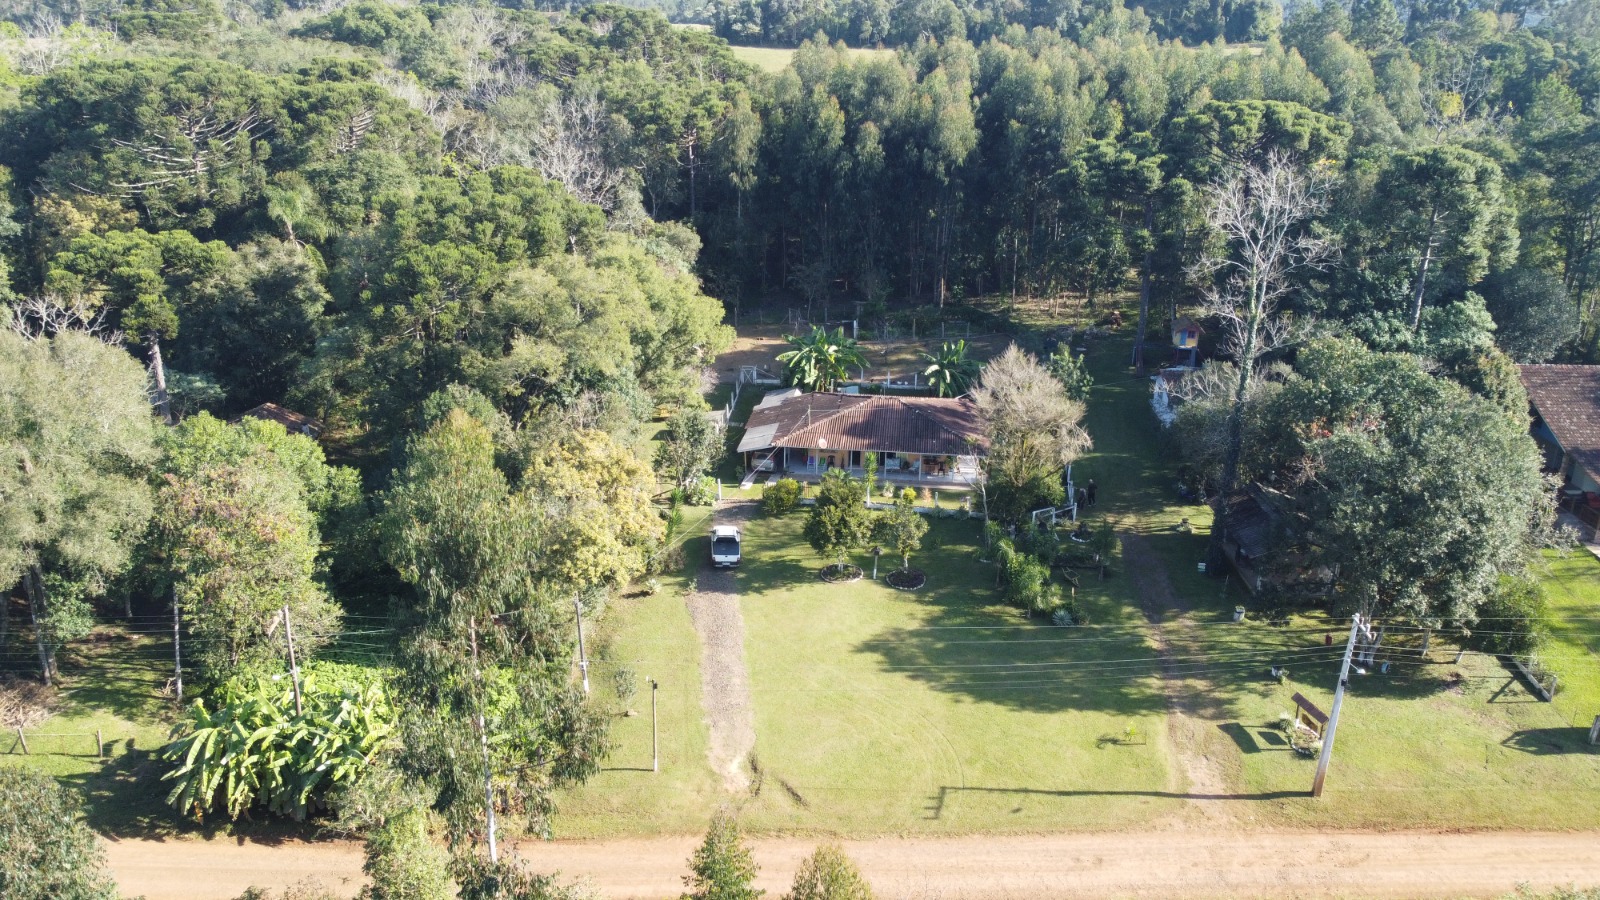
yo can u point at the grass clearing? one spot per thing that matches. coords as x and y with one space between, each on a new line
1430 744
776 59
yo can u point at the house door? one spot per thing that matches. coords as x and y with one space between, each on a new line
855 459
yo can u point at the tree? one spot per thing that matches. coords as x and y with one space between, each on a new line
1262 214
902 527
47 850
722 866
692 445
1415 496
840 521
1070 369
1533 316
820 359
486 640
828 874
950 371
1034 433
242 547
77 440
1445 206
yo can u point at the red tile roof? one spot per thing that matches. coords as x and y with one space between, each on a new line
1567 398
930 425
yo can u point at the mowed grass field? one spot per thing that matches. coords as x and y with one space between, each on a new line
886 711
880 711
1432 743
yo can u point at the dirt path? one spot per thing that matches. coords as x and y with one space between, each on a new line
724 679
1161 864
1187 733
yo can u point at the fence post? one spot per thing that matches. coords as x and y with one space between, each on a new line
23 740
99 745
1594 731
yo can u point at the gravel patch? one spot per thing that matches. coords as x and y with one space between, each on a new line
724 678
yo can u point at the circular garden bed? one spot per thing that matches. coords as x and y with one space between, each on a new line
906 579
837 573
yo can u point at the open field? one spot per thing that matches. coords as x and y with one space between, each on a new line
776 59
881 711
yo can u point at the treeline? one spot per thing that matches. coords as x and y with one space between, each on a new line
1041 162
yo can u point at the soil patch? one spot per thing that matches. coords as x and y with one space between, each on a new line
906 579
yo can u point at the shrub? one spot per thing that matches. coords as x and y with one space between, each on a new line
781 496
829 874
47 851
253 749
722 866
1028 583
1516 619
703 492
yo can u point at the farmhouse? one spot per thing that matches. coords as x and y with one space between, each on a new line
923 439
1566 424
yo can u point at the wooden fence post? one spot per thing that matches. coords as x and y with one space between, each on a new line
23 740
99 745
1594 731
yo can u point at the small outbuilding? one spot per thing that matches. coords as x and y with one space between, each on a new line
292 422
1186 341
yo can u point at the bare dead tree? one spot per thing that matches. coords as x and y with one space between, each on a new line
46 315
1262 212
569 146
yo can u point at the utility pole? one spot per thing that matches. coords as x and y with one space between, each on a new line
483 740
655 741
294 669
583 658
177 653
1338 701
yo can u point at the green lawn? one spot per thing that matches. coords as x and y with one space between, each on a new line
882 711
651 637
1572 586
111 682
1427 745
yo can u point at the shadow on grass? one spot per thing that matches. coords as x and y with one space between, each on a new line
1552 741
936 803
1249 740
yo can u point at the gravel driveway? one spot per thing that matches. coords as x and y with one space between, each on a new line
724 679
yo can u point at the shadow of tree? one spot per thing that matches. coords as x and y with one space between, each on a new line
1552 741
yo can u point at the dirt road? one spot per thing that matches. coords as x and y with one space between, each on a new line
725 680
1198 863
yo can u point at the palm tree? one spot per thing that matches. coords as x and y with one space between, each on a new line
820 359
950 371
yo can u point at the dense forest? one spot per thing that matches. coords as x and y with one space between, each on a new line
487 247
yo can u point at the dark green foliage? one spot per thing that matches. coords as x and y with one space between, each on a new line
840 522
721 867
1514 619
47 851
781 496
1423 493
901 528
508 880
1534 318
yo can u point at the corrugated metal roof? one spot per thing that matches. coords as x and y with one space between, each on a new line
757 438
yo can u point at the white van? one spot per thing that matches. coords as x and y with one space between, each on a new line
724 546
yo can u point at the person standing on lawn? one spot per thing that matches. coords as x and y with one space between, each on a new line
1090 491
